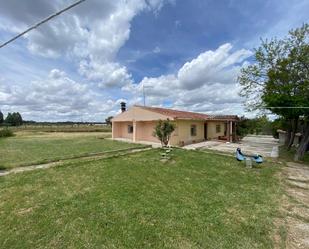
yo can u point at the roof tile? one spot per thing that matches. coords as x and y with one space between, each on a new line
188 115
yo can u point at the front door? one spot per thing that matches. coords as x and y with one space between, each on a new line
205 131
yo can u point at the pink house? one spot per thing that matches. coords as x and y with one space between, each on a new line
137 124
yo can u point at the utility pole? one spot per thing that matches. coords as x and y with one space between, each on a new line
144 94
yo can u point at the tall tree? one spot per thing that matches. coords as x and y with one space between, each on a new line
278 80
9 119
1 118
18 119
14 119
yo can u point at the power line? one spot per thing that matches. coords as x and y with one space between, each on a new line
286 107
41 22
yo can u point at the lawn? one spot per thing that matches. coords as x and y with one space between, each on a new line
62 128
38 147
195 200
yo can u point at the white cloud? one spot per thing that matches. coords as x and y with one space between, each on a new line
92 32
156 50
88 38
212 67
206 83
56 97
107 74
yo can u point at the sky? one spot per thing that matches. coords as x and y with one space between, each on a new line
186 54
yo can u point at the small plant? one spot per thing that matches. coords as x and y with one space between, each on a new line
166 154
6 133
163 131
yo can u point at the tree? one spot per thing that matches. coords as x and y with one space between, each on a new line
278 81
163 131
9 118
108 120
14 119
258 125
1 118
18 119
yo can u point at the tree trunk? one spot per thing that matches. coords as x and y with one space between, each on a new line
303 144
288 134
294 124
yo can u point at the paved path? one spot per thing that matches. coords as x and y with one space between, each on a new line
266 146
108 154
295 205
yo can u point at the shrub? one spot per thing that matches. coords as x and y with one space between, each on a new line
6 133
163 131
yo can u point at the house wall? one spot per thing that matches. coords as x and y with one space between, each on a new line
138 114
182 133
120 130
144 131
211 129
146 120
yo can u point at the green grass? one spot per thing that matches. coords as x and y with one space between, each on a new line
288 155
62 128
28 148
195 200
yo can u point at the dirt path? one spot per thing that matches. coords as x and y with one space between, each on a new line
295 206
79 159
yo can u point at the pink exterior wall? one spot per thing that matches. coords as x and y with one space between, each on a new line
120 130
144 122
144 131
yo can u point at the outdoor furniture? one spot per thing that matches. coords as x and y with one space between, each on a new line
241 157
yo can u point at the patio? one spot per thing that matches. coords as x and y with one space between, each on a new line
266 146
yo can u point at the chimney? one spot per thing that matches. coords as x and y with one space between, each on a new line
123 106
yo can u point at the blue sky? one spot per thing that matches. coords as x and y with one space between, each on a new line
81 65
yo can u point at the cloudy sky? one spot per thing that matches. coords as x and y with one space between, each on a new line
82 64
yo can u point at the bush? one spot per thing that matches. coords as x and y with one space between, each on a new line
6 133
163 131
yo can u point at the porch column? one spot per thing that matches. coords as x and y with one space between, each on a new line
134 131
231 132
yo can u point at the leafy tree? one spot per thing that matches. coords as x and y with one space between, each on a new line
163 131
258 125
9 118
18 119
1 118
278 81
14 119
108 120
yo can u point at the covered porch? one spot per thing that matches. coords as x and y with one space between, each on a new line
220 130
135 131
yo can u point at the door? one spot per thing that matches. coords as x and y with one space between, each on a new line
205 131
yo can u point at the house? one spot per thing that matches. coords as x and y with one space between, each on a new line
137 124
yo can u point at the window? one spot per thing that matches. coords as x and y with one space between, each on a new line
130 128
218 128
193 130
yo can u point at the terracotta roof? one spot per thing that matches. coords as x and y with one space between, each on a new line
188 115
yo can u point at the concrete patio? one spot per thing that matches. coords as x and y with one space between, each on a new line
266 146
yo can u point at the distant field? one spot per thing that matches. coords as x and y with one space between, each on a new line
63 128
29 147
196 200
